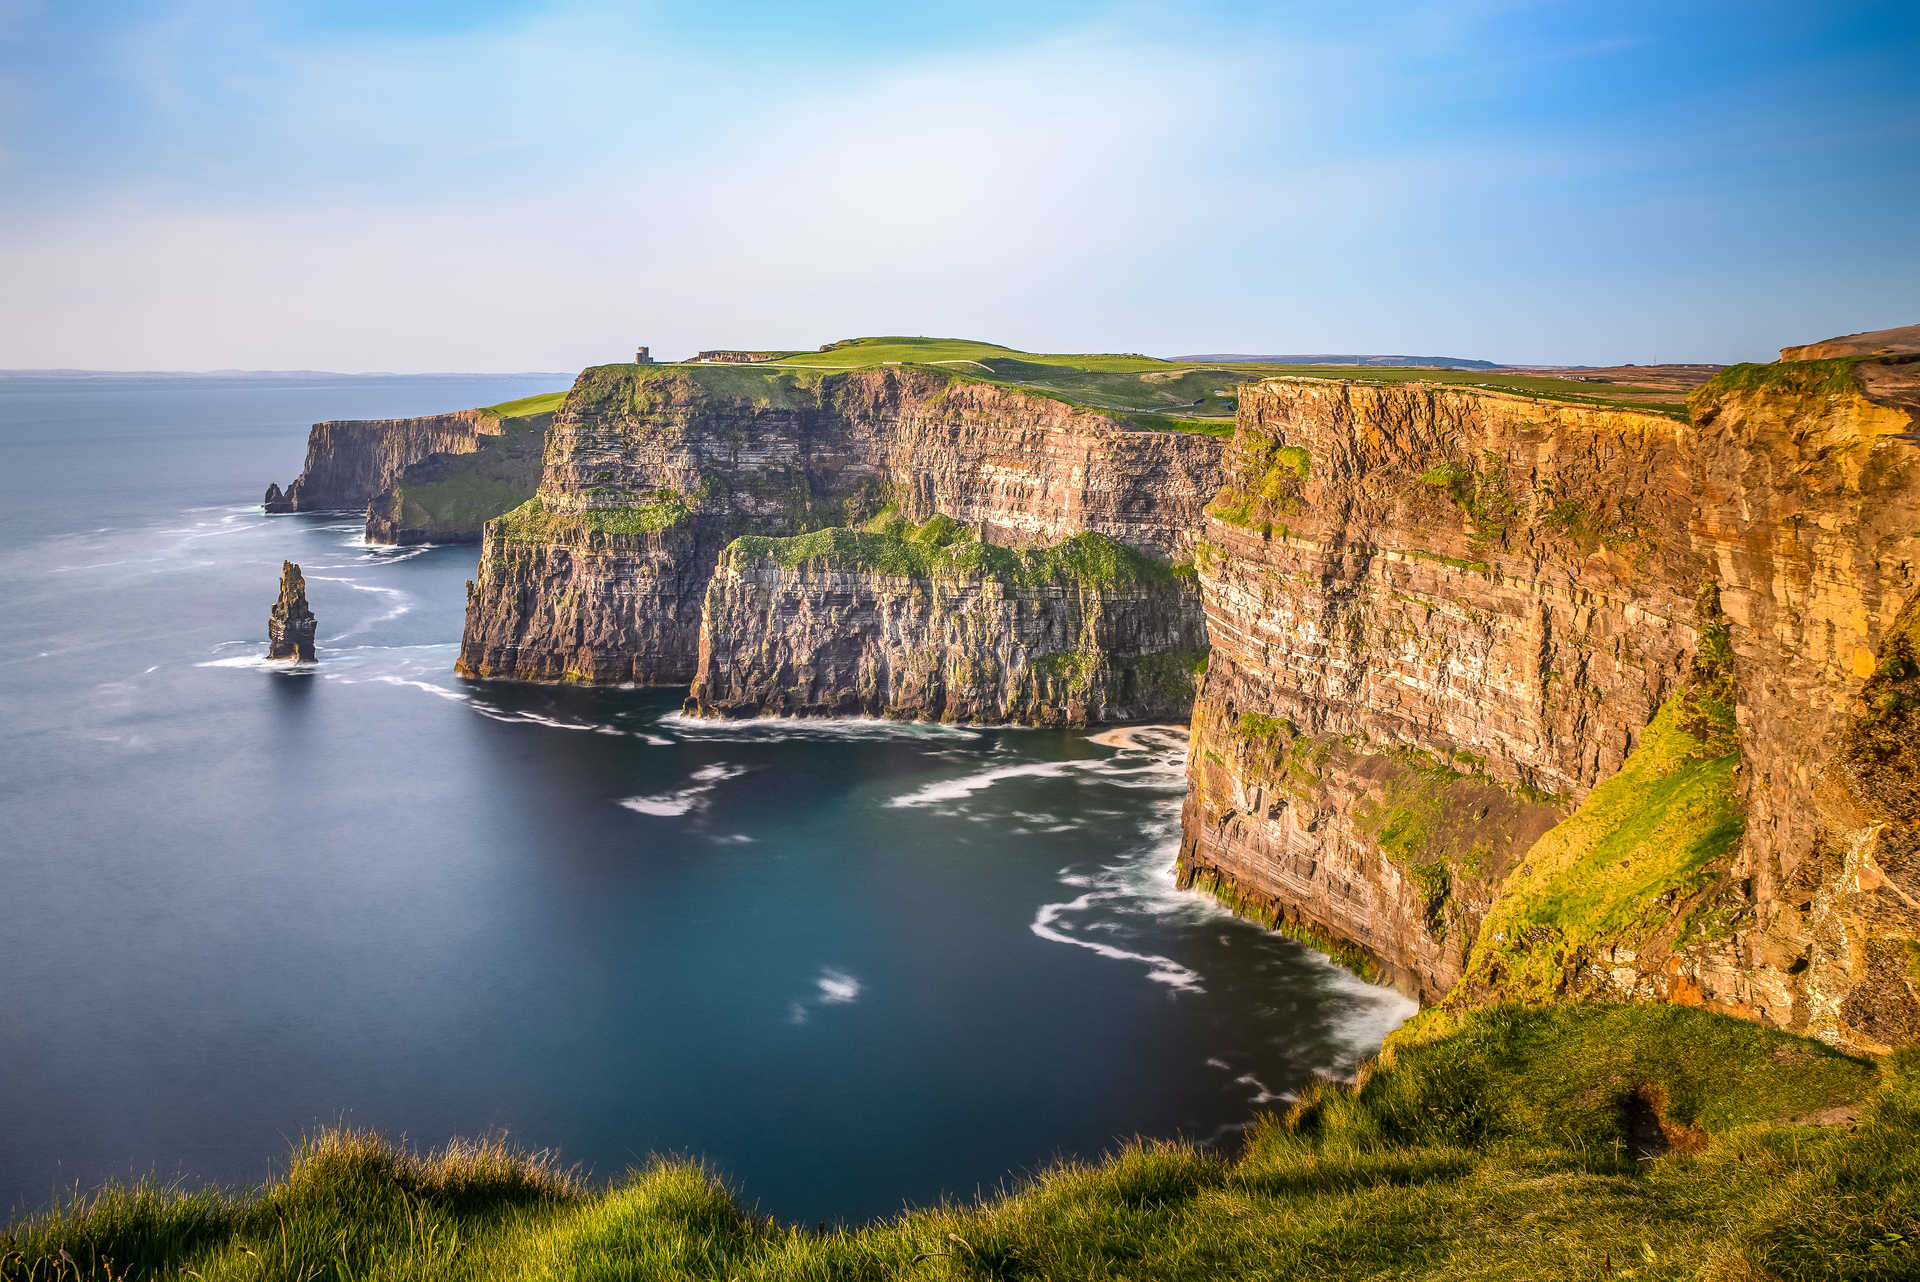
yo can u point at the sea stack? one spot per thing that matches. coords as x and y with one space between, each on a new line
291 626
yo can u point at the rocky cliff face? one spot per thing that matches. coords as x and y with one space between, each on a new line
651 471
449 497
1441 618
351 461
291 625
930 627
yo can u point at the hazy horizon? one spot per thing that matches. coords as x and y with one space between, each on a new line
343 186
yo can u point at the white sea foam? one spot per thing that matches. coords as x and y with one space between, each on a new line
945 790
668 804
1261 1095
439 690
837 988
525 718
1161 970
259 663
401 603
779 729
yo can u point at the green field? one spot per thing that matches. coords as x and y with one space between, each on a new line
1143 392
1577 1141
541 403
1196 393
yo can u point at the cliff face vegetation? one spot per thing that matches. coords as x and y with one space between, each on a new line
1566 700
652 471
929 623
449 497
351 461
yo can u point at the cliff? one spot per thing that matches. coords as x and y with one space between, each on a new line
290 624
1445 621
652 470
449 497
930 624
351 461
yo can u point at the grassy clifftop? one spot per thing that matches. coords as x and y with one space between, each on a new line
1578 1142
943 548
1143 392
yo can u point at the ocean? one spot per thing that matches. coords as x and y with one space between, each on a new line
854 965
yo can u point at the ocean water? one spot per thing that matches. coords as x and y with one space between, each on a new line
856 966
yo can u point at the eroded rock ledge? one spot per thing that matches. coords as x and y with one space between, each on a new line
931 624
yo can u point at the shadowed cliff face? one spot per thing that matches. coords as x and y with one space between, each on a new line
449 497
849 623
350 462
1440 618
650 472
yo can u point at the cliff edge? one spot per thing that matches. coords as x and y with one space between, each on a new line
652 470
1562 700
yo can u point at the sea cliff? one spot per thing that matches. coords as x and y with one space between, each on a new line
1443 620
352 460
929 624
652 470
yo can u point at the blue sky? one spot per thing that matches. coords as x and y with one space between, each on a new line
507 185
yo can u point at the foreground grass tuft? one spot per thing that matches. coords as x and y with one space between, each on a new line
1602 1141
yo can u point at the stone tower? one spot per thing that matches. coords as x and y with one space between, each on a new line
643 356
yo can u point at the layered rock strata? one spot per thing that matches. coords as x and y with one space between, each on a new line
351 461
449 497
652 471
1440 617
842 623
291 624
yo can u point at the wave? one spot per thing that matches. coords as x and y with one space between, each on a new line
402 604
695 797
956 789
1160 969
778 729
261 663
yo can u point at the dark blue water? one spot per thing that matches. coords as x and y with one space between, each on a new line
856 966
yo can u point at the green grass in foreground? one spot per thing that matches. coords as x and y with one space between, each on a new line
1505 1144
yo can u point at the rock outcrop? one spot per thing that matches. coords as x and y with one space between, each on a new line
450 497
1901 341
1442 618
351 461
930 625
291 625
652 470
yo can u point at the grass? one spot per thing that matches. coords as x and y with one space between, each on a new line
1629 864
942 548
1567 391
1264 480
1834 377
526 406
1615 1142
532 522
666 509
858 353
454 495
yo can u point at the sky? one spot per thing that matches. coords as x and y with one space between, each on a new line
509 185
